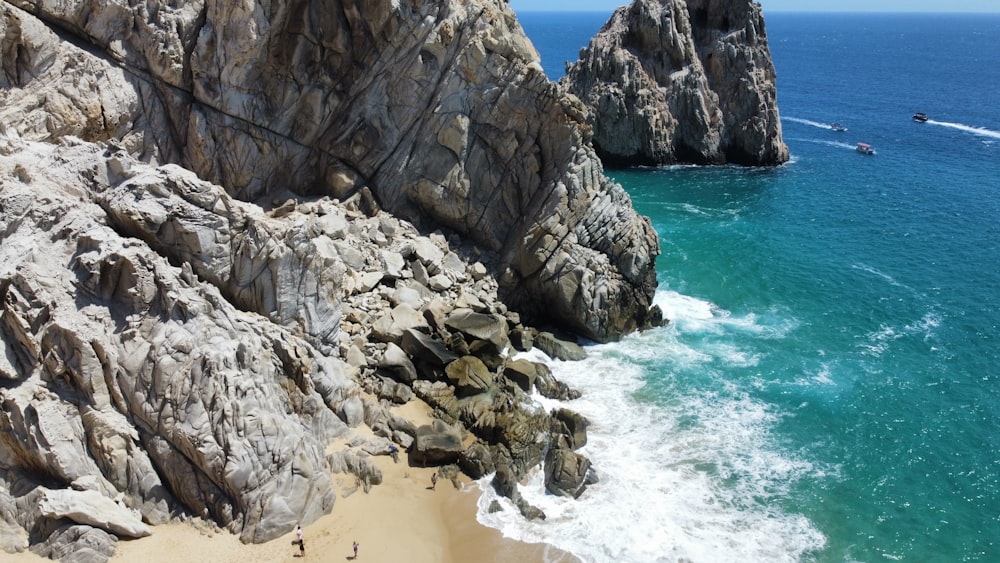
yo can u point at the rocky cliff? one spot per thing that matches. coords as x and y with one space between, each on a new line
231 233
438 108
681 81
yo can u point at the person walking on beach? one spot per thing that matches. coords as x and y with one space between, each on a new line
355 550
298 533
434 480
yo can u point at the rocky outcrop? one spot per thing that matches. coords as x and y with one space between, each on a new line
136 378
681 81
439 109
208 279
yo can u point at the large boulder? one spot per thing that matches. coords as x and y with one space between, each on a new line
566 472
91 508
670 81
437 444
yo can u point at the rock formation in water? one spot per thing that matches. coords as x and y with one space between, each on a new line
231 233
681 81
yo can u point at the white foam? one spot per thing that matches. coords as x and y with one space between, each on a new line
809 122
982 131
691 473
837 144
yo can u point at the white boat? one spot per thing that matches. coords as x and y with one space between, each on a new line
837 127
864 148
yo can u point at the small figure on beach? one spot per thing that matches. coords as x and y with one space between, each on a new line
434 480
298 533
355 550
394 452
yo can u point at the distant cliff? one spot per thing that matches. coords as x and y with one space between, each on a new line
681 81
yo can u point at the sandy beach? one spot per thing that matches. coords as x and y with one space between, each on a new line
401 519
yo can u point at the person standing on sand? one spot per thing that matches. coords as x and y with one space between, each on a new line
434 480
298 533
355 550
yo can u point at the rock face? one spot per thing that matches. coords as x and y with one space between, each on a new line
232 233
681 81
439 109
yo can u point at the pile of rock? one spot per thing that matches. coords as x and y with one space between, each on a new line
175 353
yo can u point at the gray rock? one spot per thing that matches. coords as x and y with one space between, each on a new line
522 372
558 348
424 348
672 81
565 472
469 375
91 508
436 444
77 543
489 329
395 362
573 426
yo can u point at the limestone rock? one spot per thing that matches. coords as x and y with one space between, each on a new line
670 81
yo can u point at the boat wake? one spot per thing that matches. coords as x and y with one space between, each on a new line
828 143
982 131
809 123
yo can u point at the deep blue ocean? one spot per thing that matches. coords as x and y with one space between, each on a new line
828 387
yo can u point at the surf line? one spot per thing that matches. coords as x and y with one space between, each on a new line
982 131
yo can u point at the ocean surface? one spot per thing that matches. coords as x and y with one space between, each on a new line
828 387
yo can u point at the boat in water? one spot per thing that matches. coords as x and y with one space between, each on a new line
920 117
837 127
864 148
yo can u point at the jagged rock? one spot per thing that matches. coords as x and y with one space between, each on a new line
424 348
505 483
530 511
573 427
558 348
398 364
77 543
436 444
522 372
565 472
256 113
670 81
123 323
551 387
477 461
522 339
93 509
469 375
361 466
489 330
394 391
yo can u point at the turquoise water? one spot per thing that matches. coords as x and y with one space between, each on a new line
827 389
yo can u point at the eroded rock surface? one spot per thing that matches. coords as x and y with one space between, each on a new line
681 81
439 109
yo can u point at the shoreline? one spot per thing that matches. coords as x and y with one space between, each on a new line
401 519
